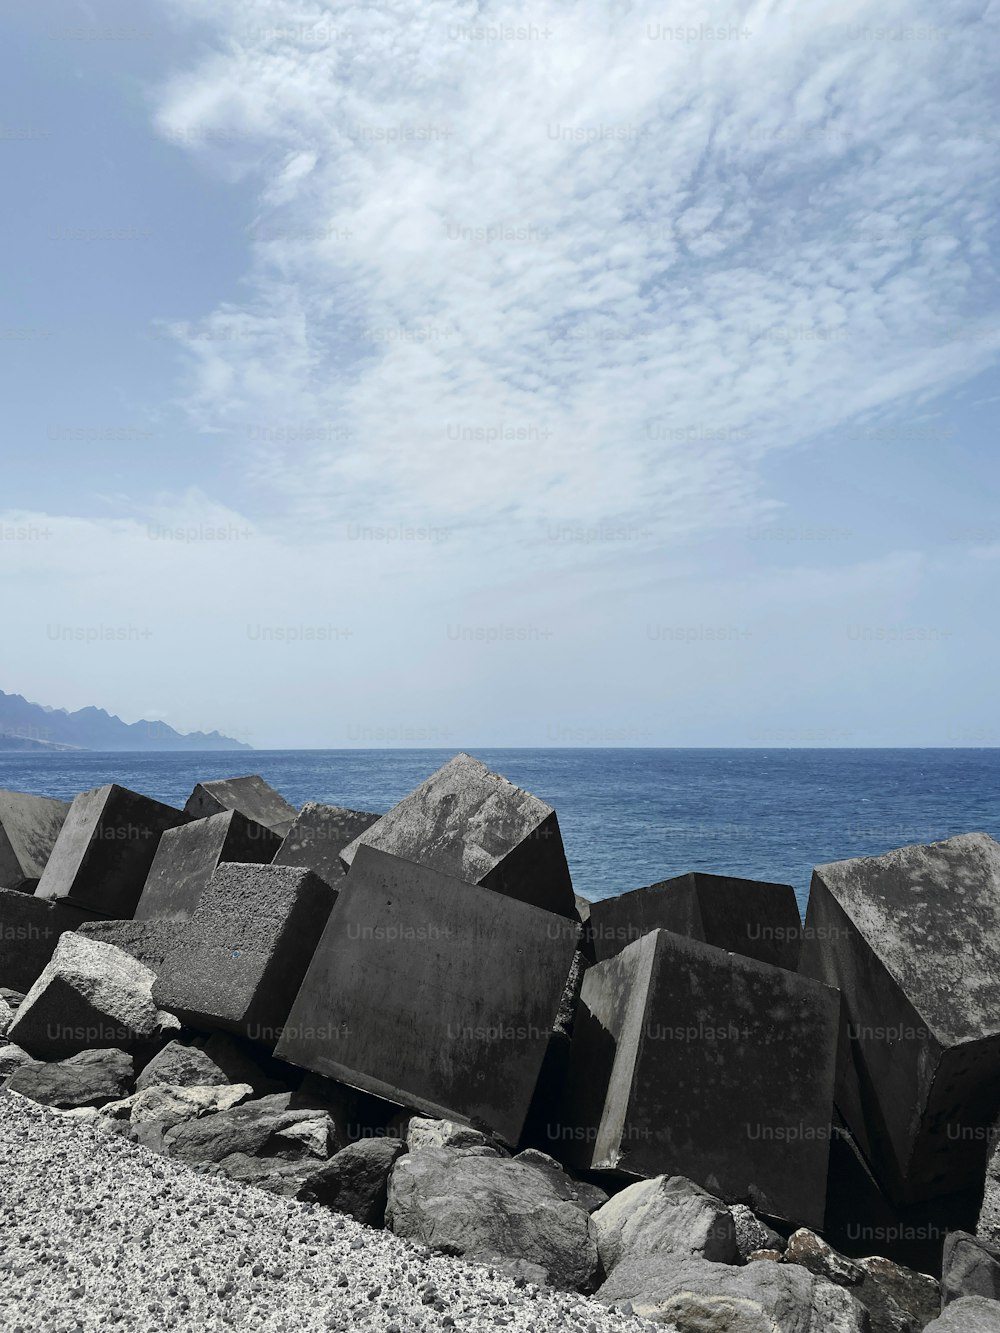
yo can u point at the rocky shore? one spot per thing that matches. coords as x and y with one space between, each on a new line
462 1096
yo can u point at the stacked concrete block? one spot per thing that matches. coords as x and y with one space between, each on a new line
912 938
241 958
745 916
432 992
690 1060
475 826
104 850
188 857
148 942
319 835
29 826
251 796
29 932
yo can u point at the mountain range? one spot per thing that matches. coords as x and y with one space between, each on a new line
27 727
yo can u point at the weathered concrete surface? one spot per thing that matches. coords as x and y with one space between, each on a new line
29 826
433 993
29 932
240 959
189 856
148 941
472 824
105 849
687 1059
89 995
251 796
746 916
319 835
912 938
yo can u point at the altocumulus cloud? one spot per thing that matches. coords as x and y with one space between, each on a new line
583 261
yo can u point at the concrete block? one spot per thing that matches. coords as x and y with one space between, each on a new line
687 1058
188 856
318 836
746 916
912 939
30 929
147 941
105 849
432 993
251 796
474 825
241 958
29 826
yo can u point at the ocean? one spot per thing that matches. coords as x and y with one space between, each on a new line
629 817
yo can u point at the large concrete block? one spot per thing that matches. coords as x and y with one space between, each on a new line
319 835
188 856
147 941
433 993
250 795
472 824
746 916
105 849
29 826
687 1059
912 939
242 956
29 932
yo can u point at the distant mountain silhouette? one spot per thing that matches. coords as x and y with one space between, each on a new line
33 727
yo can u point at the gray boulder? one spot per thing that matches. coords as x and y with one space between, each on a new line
752 1234
812 1252
988 1226
971 1314
355 1180
969 1267
179 1066
693 1294
898 1299
89 995
91 1078
273 1174
13 997
492 1208
13 1057
665 1215
153 1111
580 1192
6 1017
257 1128
423 1132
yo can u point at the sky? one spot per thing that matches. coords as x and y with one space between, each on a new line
450 374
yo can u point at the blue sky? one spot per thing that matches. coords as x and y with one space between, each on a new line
577 374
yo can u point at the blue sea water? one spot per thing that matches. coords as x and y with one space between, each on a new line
628 817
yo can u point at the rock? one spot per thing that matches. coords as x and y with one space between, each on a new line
898 1299
179 1065
6 1017
485 1207
812 1252
475 826
188 857
764 1256
752 1234
30 929
745 916
422 1026
241 958
355 1180
104 850
241 1063
251 796
89 995
253 1128
988 1221
13 1057
148 942
694 1294
277 1176
668 1215
972 1314
423 1132
12 997
581 1192
154 1112
91 1078
919 1077
29 826
970 1268
318 836
685 1054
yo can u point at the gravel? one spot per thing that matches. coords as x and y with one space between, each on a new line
98 1233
